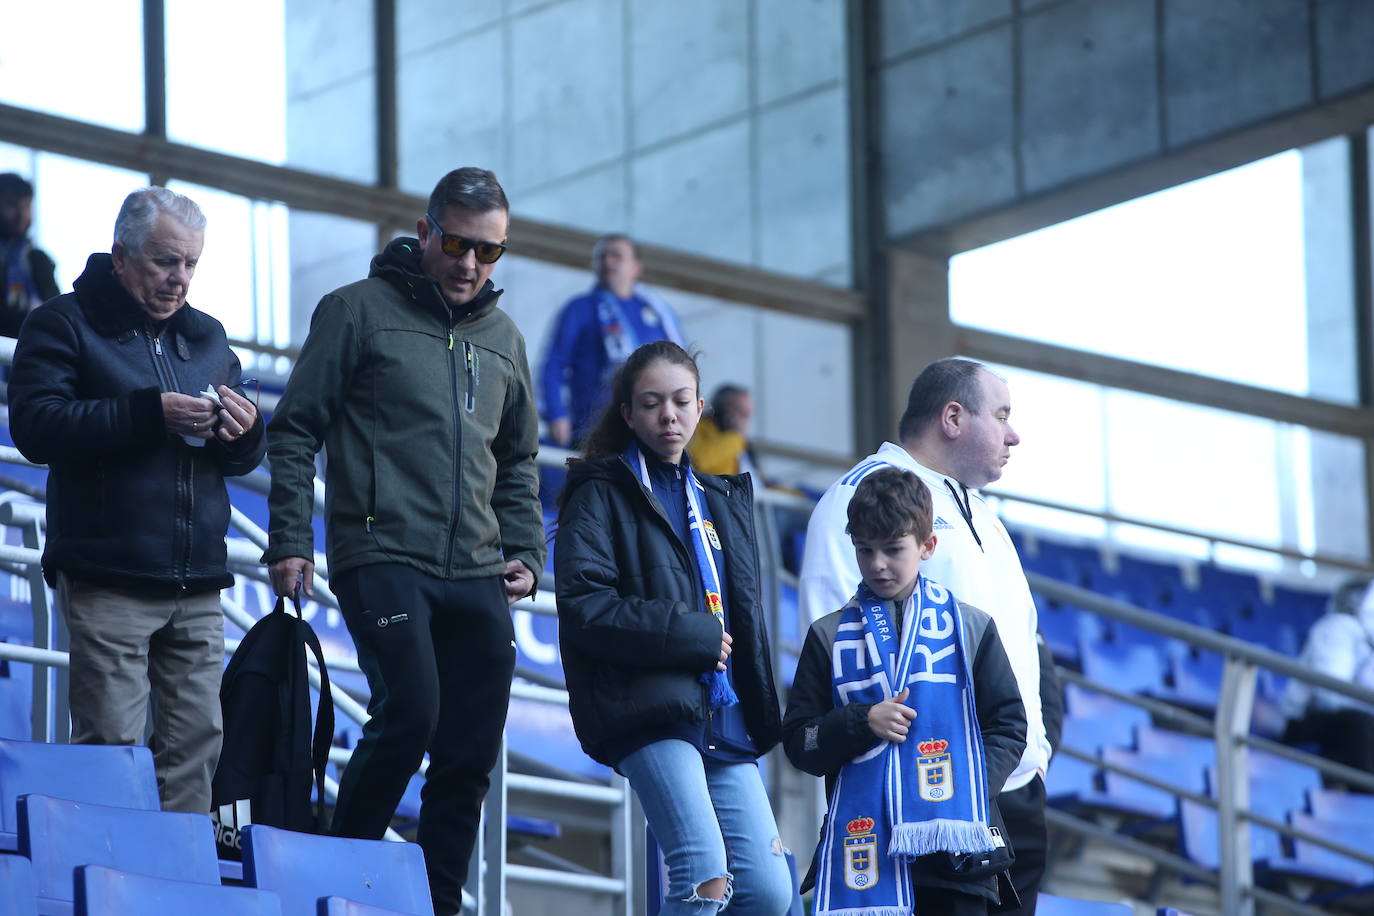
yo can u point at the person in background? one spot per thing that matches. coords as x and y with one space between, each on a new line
593 334
665 647
956 435
127 393
721 445
28 271
1340 644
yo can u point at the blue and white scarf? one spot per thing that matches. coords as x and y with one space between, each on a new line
710 557
925 795
618 331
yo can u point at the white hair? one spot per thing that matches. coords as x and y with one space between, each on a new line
139 214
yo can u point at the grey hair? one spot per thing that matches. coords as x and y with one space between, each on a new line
140 211
599 248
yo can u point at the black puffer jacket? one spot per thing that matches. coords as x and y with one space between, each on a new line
633 635
129 504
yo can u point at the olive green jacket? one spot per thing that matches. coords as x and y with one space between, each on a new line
429 425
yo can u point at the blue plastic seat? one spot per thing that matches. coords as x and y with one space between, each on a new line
1129 668
1200 829
303 867
1196 679
342 906
1132 796
57 835
1333 804
102 891
1312 860
17 894
1200 752
1050 905
122 776
1082 702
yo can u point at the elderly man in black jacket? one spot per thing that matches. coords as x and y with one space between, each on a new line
127 393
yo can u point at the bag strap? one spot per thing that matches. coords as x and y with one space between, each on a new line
324 711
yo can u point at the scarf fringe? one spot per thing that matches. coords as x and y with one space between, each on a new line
867 911
940 835
722 693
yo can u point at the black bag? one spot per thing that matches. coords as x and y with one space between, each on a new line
269 756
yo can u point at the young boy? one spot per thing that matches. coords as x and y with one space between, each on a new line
905 702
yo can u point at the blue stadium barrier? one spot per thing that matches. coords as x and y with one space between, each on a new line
303 867
122 776
102 891
57 835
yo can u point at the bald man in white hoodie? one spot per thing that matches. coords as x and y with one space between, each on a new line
956 435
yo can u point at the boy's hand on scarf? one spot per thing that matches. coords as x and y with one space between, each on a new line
890 719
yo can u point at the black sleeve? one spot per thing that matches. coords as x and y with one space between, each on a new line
818 736
597 620
1001 714
1051 694
48 419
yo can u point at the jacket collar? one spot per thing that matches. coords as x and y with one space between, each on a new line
112 312
399 264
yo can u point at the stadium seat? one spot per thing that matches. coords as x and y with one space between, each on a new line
1170 911
1200 829
1196 677
17 895
303 867
1050 905
1129 668
122 776
57 835
1132 796
1313 861
102 891
1085 703
1333 804
1163 742
341 906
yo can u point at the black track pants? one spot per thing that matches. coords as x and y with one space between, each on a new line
439 656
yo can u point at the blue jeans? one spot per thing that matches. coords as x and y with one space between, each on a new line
712 820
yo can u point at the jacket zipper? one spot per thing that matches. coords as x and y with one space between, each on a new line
470 357
185 499
457 451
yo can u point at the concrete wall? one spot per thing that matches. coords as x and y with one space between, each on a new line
987 102
717 127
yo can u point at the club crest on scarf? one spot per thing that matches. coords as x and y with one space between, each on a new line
933 771
861 854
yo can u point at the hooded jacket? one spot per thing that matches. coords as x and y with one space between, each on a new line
429 425
633 635
129 504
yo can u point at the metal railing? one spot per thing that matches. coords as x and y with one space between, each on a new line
1230 730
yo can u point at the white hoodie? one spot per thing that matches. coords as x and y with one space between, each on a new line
988 577
1341 645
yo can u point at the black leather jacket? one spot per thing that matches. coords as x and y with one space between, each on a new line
633 637
129 504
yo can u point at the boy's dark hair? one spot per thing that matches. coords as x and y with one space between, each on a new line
468 188
15 186
888 504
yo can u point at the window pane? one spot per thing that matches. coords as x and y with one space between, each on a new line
1243 275
88 67
74 208
299 87
235 281
1183 466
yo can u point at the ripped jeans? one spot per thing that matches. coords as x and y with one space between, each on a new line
712 820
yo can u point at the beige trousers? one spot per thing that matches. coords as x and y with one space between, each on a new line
124 647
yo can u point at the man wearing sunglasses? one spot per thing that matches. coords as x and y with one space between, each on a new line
418 387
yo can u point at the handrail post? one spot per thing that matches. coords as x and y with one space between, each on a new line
1232 724
493 878
50 718
622 843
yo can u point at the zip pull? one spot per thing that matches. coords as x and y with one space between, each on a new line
450 340
368 522
157 345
